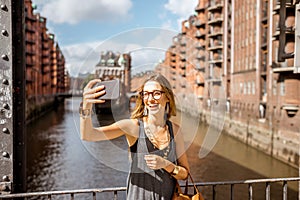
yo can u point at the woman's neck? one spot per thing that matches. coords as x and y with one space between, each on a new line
156 120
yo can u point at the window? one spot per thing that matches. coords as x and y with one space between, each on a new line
274 87
282 87
253 87
249 87
241 88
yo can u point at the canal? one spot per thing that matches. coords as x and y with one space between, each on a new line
58 160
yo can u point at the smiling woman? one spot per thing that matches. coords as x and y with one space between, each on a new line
156 145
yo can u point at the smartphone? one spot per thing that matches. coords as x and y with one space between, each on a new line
112 89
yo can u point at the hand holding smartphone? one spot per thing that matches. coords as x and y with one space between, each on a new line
112 89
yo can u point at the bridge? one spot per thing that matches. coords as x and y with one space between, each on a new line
212 192
13 125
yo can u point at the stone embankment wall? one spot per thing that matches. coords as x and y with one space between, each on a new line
255 133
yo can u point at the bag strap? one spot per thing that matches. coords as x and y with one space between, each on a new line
186 184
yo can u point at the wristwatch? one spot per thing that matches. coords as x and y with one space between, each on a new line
84 113
175 170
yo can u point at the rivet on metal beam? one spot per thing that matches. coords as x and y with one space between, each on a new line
5 57
5 81
6 106
5 130
5 178
4 188
5 154
4 7
4 33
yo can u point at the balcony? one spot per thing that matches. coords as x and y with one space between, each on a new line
200 34
29 28
200 57
263 68
216 47
182 51
183 66
217 60
290 109
45 45
30 18
182 58
264 42
200 45
264 16
288 4
283 69
30 41
200 67
199 23
29 63
30 52
183 75
200 7
215 20
215 34
215 6
214 79
199 81
183 42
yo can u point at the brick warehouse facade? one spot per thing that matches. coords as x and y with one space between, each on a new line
243 53
45 63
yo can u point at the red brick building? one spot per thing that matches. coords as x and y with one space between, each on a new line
243 54
45 63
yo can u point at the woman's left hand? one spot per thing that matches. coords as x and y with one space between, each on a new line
156 162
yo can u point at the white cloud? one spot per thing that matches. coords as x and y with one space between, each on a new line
82 58
181 8
167 24
75 11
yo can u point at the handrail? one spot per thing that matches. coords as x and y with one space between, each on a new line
115 190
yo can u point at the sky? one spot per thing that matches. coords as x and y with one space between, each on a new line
85 28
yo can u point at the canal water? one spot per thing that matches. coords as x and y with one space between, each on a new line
58 160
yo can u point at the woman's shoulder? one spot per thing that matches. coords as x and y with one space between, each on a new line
131 129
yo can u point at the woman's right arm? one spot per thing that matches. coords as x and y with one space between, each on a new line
126 127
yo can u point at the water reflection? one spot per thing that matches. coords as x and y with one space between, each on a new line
59 160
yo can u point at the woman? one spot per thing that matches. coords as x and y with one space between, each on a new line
156 145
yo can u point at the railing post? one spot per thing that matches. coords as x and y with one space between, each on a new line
250 191
115 195
284 190
214 191
231 191
267 191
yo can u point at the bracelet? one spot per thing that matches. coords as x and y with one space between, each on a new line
84 113
175 171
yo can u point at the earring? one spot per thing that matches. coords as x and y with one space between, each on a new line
145 111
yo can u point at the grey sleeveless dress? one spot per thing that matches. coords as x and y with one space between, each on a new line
144 183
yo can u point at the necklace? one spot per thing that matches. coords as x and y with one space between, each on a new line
156 142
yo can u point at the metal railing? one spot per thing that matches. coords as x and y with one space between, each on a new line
213 185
